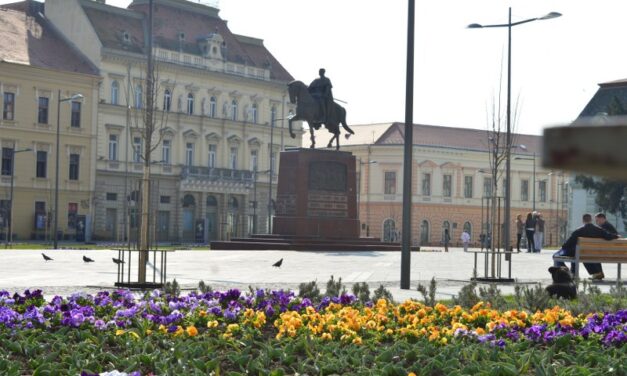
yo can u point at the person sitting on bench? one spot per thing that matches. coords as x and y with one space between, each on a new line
588 230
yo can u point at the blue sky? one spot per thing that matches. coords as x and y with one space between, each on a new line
556 64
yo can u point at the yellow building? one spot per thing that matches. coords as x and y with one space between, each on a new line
221 101
35 65
451 178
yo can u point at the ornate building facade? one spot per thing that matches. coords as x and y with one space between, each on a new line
450 182
220 109
39 73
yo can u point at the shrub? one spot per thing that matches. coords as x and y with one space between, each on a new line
309 290
172 288
361 291
335 288
428 296
382 293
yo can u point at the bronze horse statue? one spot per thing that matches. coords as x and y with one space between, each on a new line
307 109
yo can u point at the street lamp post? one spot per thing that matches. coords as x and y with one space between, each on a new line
58 152
10 226
534 176
509 26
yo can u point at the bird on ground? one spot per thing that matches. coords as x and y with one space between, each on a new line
117 261
87 259
47 258
278 263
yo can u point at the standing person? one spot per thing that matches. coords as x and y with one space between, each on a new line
447 239
538 236
602 222
465 238
520 226
530 228
482 241
588 230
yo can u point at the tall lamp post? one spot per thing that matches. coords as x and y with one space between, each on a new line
534 175
10 227
58 152
509 26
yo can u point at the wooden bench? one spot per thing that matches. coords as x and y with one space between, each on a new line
598 250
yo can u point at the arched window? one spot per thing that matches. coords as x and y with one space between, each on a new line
468 228
212 202
389 230
138 96
233 204
190 104
167 100
253 113
213 105
189 201
234 110
446 227
424 232
115 89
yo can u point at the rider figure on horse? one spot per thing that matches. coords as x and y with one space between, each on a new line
320 90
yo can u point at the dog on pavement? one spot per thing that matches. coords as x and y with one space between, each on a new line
563 285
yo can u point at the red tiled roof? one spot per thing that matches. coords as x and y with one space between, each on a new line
450 137
29 39
169 21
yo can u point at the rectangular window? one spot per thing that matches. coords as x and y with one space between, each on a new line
74 164
487 187
189 154
164 199
42 115
426 184
72 211
133 217
8 108
5 213
76 115
542 190
468 186
165 153
113 147
42 164
137 149
390 183
211 160
524 190
112 196
40 215
253 160
447 185
7 161
233 159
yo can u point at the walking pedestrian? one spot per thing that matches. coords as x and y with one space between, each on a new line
520 226
447 239
465 240
538 236
530 228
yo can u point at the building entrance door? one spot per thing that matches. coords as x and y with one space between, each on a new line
111 223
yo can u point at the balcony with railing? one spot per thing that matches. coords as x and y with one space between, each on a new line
216 174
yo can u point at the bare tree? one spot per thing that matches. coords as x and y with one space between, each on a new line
498 153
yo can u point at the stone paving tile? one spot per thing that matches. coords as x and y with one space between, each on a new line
20 269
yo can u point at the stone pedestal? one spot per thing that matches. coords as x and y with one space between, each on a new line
316 195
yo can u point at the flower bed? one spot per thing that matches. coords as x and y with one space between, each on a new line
275 330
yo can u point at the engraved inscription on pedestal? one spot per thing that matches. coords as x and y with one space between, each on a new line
327 205
286 204
327 176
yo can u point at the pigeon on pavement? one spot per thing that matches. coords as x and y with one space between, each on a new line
278 263
87 259
47 258
117 261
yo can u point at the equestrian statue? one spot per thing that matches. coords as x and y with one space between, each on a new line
315 105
